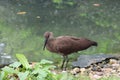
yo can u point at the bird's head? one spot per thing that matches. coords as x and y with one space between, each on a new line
47 35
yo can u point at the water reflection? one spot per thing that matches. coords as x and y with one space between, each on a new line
4 57
2 45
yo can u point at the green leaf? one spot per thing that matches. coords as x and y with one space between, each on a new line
41 72
23 60
9 70
64 76
45 62
2 74
23 76
47 67
40 78
15 64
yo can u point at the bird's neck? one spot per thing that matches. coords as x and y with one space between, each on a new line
51 38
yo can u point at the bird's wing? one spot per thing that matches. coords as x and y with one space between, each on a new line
75 38
68 37
65 45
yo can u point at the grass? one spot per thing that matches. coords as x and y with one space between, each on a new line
30 43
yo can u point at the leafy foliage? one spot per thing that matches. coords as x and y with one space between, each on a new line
23 60
23 75
22 70
43 70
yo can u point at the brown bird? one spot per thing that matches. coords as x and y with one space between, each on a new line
65 45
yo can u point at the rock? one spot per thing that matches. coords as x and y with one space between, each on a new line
115 65
107 70
82 70
75 71
113 61
97 76
118 70
97 66
94 76
84 61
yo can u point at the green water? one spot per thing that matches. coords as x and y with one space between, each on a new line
23 23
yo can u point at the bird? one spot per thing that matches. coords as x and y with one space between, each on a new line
66 45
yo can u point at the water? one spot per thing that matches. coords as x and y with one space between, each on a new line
4 58
2 46
23 23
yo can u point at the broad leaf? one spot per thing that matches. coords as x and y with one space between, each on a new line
23 60
2 74
23 76
15 64
41 72
9 70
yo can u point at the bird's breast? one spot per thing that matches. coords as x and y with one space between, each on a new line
51 47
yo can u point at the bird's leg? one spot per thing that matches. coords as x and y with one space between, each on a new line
64 59
67 60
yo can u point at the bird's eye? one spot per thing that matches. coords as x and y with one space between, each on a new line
47 36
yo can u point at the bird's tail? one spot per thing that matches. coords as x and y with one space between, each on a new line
95 43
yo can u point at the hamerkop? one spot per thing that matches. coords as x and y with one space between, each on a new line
65 45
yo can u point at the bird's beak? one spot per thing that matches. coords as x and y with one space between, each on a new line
45 43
